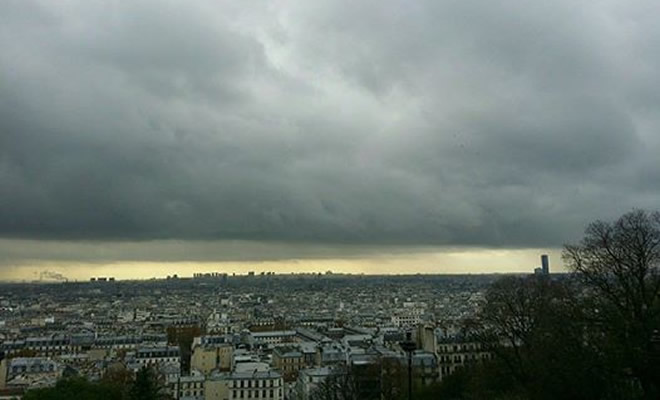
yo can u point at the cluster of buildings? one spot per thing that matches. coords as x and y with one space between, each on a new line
220 337
544 269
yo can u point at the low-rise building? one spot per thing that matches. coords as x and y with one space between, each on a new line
288 360
30 372
267 385
149 356
211 357
455 349
274 337
189 388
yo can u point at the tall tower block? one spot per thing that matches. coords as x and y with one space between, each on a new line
545 264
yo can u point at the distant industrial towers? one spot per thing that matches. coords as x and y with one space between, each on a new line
544 269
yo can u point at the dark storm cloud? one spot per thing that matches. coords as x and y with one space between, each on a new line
21 252
455 122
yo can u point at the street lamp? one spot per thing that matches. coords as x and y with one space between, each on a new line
409 346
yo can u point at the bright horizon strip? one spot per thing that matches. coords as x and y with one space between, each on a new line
474 261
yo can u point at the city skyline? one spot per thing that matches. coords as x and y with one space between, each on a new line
404 262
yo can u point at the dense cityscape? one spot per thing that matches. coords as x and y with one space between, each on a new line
275 334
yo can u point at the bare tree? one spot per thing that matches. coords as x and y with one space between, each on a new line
538 331
521 316
620 262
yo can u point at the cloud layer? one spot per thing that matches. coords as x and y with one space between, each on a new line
495 124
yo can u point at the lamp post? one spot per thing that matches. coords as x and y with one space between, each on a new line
409 346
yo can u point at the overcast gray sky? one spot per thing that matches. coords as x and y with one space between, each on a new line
323 129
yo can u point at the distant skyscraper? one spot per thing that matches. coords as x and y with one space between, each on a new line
545 264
